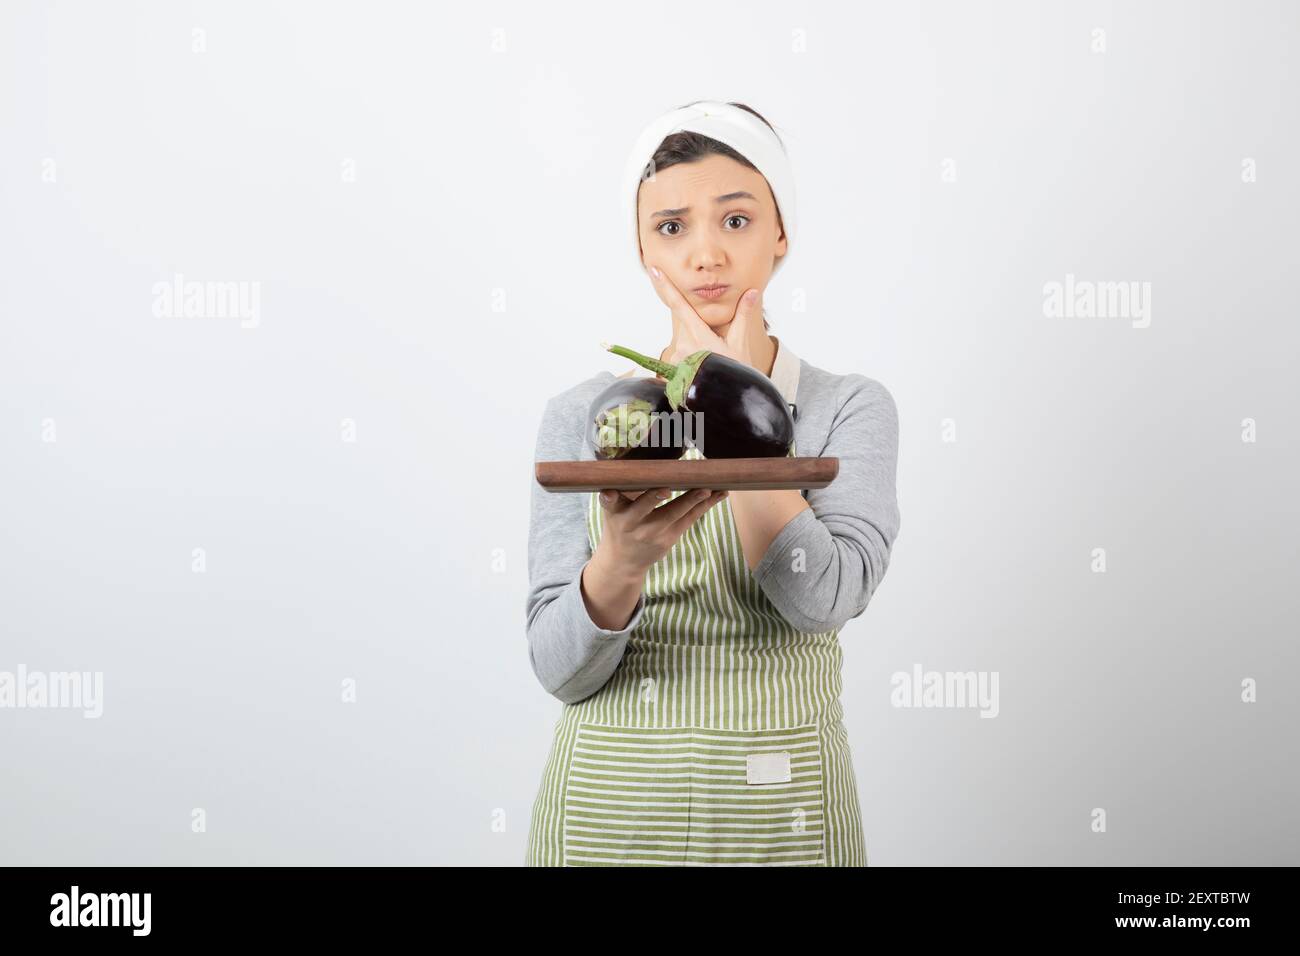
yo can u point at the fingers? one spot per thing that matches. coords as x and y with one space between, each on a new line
620 498
680 506
668 293
613 502
746 329
679 526
647 502
694 330
749 313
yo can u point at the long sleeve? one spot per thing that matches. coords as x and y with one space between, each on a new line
571 656
822 568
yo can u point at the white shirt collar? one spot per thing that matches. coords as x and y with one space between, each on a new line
785 371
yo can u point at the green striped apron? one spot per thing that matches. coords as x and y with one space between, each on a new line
718 740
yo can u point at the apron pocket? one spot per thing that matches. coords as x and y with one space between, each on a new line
627 796
694 796
757 798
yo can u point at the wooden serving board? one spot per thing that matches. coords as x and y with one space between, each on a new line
739 474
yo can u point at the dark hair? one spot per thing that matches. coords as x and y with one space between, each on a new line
688 147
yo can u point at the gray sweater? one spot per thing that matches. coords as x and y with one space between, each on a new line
846 533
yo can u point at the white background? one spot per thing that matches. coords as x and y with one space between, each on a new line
471 270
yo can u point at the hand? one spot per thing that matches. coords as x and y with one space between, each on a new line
691 333
638 533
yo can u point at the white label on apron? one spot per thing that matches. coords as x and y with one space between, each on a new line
767 768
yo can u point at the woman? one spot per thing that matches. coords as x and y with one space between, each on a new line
694 639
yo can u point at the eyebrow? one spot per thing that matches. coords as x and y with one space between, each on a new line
685 209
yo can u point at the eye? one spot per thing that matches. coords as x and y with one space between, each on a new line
677 226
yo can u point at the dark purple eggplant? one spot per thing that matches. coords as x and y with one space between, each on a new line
631 419
737 411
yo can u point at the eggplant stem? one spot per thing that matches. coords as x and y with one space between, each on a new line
665 369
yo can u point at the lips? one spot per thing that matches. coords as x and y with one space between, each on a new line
710 291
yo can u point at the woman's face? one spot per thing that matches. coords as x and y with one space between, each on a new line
710 222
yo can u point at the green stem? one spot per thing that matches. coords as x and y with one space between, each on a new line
665 369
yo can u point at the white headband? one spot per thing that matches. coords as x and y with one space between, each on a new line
742 131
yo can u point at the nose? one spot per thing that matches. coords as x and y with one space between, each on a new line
707 253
